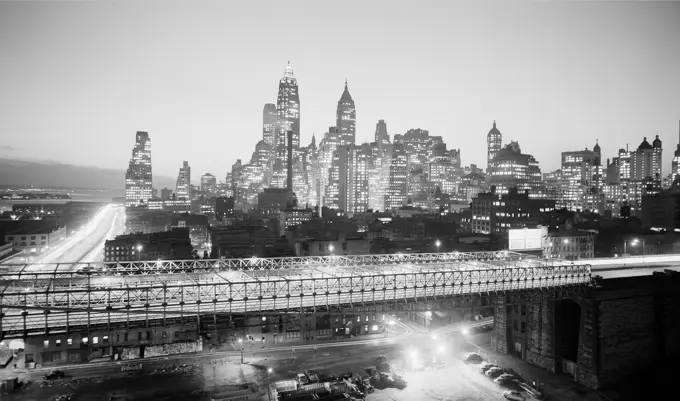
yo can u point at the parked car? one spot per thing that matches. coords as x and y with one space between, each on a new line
513 396
301 379
312 376
54 375
505 379
494 372
473 358
486 366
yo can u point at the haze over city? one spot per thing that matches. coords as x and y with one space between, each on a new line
79 78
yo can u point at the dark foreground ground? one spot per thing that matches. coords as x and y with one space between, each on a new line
456 382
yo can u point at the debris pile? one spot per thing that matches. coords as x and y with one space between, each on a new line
184 370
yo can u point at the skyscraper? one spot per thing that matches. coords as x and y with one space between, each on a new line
208 183
183 188
382 138
584 180
493 141
269 124
138 179
512 168
675 171
398 184
288 109
346 118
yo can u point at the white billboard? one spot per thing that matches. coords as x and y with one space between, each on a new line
527 239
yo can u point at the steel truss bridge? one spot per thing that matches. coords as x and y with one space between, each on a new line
58 298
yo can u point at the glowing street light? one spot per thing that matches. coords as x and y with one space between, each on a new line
437 244
330 248
465 331
139 251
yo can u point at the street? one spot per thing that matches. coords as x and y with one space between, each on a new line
456 381
86 245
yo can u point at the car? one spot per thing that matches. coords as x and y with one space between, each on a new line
505 379
301 379
313 377
494 372
54 375
473 358
513 395
486 366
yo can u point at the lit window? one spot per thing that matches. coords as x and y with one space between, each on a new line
69 341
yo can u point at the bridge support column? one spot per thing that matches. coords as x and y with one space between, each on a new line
499 337
540 329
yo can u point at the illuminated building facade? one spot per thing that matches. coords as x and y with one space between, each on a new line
183 187
494 215
138 179
398 183
493 145
208 184
510 168
637 172
583 177
346 118
675 167
269 118
288 109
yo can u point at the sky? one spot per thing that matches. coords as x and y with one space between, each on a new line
79 78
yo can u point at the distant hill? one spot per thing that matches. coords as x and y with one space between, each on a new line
47 174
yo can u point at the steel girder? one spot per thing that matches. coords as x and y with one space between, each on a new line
65 270
103 300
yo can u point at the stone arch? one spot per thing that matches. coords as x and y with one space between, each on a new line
568 316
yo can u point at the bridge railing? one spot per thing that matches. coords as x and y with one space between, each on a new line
35 310
66 270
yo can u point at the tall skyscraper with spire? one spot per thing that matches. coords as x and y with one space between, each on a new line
138 179
493 145
288 109
346 118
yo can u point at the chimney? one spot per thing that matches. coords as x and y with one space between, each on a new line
289 179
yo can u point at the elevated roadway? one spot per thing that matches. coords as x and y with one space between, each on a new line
36 302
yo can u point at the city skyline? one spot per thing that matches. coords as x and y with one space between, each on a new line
507 94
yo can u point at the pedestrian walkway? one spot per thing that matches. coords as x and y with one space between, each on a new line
556 387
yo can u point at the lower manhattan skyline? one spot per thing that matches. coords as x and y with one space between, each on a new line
198 88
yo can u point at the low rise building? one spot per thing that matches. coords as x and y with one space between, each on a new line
569 245
32 237
334 243
170 245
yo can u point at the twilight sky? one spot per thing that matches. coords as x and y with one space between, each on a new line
78 78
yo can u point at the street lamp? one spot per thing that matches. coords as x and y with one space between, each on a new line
240 343
437 244
390 323
139 252
330 248
269 375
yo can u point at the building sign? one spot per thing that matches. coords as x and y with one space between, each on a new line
527 239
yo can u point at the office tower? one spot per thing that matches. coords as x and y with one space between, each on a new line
398 183
346 118
493 141
382 138
419 146
675 168
583 180
138 179
327 147
511 168
269 117
208 184
289 162
288 109
348 187
183 188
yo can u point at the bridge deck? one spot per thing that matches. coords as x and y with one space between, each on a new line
60 302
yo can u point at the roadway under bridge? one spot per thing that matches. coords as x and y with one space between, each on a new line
64 297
